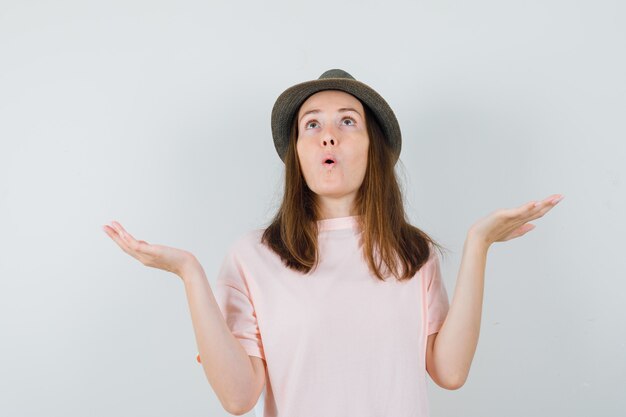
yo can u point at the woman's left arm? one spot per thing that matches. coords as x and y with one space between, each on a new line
450 352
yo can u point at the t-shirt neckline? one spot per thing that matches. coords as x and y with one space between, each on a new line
336 223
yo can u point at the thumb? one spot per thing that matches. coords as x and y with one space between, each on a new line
528 227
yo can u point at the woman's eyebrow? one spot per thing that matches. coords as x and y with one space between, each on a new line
350 109
343 109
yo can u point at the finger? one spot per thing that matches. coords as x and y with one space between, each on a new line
135 245
131 242
522 213
544 207
549 200
536 209
119 238
519 216
113 232
138 245
525 229
520 231
120 229
136 249
126 237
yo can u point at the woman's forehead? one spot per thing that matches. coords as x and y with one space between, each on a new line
331 98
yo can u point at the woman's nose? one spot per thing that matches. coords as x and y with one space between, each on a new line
329 136
328 141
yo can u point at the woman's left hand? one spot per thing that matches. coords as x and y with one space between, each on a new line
505 224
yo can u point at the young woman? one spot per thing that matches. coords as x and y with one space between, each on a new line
337 307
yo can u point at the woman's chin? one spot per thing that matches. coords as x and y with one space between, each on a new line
332 191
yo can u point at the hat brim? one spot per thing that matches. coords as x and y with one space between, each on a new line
288 103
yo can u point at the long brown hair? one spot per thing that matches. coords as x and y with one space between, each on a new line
389 240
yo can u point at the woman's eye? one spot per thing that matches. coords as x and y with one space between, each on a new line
308 125
349 119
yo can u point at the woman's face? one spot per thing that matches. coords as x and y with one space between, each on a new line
331 124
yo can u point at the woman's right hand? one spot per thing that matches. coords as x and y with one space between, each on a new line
156 256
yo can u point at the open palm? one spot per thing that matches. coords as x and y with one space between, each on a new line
505 224
155 256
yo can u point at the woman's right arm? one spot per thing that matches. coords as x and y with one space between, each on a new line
236 378
228 367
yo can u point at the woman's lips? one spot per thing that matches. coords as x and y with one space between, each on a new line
328 161
327 157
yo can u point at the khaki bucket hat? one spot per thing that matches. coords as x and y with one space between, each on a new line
287 105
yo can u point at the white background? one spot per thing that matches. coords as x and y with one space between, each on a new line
157 114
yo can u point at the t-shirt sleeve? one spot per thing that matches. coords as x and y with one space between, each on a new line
233 298
436 294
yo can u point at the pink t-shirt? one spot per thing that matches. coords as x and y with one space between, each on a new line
337 342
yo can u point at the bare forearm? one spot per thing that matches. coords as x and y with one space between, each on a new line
456 342
226 364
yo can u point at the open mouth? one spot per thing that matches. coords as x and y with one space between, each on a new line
328 160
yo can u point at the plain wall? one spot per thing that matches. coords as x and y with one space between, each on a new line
157 114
